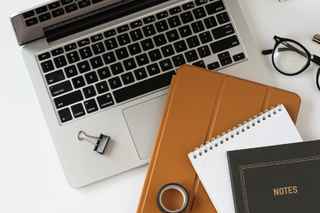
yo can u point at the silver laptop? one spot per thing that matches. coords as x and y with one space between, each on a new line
104 67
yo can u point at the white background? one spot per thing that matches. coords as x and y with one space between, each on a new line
31 177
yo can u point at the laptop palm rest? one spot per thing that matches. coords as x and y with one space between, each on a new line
143 122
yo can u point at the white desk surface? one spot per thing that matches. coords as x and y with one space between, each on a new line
32 178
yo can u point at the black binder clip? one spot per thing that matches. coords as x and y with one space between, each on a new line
100 143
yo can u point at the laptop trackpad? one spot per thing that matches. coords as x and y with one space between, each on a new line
143 121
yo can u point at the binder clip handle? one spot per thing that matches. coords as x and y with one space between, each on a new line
100 143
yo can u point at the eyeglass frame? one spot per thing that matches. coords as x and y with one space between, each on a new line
310 57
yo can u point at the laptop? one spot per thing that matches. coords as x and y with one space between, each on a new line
104 67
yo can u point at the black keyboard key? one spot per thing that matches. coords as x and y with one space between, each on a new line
85 52
44 17
58 12
65 115
225 58
84 3
96 62
200 64
142 59
83 66
198 27
104 73
224 44
98 48
96 38
60 61
70 71
78 82
162 15
191 56
155 55
193 42
134 49
136 35
188 6
123 39
167 50
123 28
105 101
54 5
109 58
42 9
180 46
109 33
116 68
127 78
122 53
201 2
91 106
72 7
149 30
57 52
215 7
205 37
178 60
147 44
186 17
44 56
149 19
73 57
31 22
78 110
64 2
204 51
174 21
210 22
185 31
199 12
83 42
47 66
136 24
60 88
160 40
223 18
175 10
143 87
111 43
214 65
129 64
70 47
223 31
115 83
153 69
140 74
91 77
54 77
166 65
239 57
28 14
162 26
102 87
89 92
172 35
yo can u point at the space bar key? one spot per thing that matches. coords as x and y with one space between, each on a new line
143 87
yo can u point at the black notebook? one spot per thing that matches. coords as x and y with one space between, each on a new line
277 179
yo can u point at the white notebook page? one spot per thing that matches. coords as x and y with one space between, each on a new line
274 127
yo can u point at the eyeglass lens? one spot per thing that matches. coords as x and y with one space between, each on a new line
290 58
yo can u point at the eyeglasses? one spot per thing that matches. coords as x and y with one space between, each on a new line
291 58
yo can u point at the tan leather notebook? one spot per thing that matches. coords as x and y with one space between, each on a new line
202 104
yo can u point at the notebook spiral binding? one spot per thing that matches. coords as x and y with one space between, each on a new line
241 128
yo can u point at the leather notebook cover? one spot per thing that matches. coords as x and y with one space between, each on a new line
202 104
281 178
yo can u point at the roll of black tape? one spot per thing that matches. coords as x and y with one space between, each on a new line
175 187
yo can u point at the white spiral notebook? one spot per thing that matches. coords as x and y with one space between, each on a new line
210 161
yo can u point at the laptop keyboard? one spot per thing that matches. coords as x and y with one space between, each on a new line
120 64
